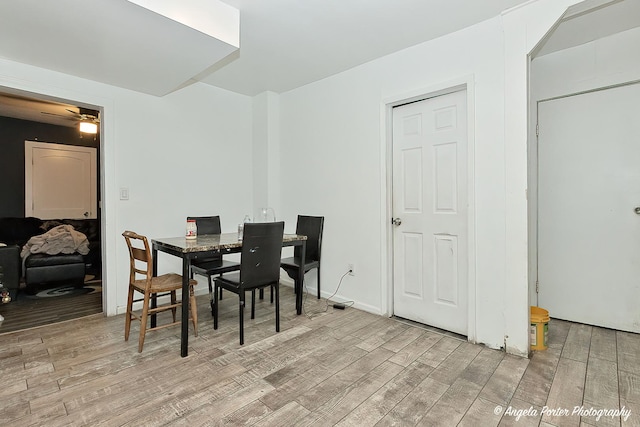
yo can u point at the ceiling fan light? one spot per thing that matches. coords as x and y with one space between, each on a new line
88 127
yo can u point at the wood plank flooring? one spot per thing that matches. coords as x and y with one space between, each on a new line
28 311
333 367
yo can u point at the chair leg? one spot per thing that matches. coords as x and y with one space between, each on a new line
318 281
296 283
271 294
193 308
277 288
143 322
261 293
215 307
127 320
241 316
174 300
253 303
210 293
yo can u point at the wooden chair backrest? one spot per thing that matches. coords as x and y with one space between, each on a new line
139 254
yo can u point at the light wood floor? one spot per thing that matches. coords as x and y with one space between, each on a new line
340 367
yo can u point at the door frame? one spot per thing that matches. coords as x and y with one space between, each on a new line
107 201
386 155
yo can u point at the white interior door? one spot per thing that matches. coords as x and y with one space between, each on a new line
60 181
430 264
589 187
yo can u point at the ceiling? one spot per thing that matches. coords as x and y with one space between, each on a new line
116 42
284 44
589 21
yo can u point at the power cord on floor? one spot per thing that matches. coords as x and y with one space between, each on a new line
338 305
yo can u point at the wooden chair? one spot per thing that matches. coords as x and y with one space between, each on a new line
259 268
312 227
141 280
214 265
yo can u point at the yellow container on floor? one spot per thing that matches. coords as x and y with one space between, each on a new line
539 328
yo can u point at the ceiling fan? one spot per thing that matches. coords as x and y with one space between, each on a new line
88 119
85 115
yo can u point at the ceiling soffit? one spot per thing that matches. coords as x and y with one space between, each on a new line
589 21
114 41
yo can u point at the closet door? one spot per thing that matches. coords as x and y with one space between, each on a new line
589 208
430 210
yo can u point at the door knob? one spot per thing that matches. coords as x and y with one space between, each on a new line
398 221
637 210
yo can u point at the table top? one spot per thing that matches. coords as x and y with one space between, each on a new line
211 242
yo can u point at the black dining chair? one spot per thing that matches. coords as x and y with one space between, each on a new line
310 226
214 265
259 268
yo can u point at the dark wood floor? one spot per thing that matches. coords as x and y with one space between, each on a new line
336 367
29 311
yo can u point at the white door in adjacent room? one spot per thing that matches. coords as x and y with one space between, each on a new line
60 181
430 204
589 208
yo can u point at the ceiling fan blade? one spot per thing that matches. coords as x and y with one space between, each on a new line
59 115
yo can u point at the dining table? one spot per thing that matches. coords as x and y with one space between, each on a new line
204 246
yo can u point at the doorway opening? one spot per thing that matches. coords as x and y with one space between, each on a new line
31 120
582 77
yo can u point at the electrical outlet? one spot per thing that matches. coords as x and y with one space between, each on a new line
351 269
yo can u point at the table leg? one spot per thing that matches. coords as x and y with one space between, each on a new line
300 280
184 334
154 298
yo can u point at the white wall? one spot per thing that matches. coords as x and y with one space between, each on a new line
334 157
187 153
524 27
334 163
266 139
600 63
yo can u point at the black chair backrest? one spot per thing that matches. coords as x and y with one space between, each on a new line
207 224
261 251
310 226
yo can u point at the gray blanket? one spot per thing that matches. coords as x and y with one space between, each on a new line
63 239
